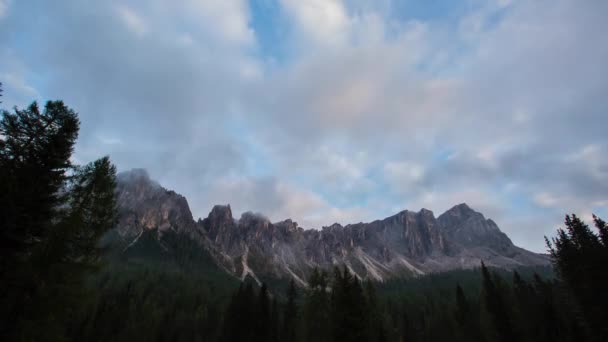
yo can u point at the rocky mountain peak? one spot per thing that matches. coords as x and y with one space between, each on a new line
471 229
426 212
221 213
461 210
287 225
219 222
144 205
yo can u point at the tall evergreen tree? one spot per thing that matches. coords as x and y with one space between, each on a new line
239 319
494 300
373 313
466 318
580 257
525 307
290 317
349 319
71 250
35 150
275 320
262 317
316 312
52 216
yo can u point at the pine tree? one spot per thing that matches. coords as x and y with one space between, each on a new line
524 306
35 150
467 326
239 319
52 216
373 313
580 257
549 327
246 313
91 211
494 300
263 324
349 318
275 321
359 312
316 308
290 317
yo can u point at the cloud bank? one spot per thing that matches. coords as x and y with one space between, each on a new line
333 110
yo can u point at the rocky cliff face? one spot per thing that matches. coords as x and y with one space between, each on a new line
469 228
408 243
144 205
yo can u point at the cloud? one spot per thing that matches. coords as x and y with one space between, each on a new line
229 18
4 7
367 110
132 20
403 174
16 89
278 200
321 21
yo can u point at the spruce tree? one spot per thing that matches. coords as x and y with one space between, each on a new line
494 300
262 317
373 313
349 311
275 320
35 150
290 317
316 312
52 216
466 318
580 257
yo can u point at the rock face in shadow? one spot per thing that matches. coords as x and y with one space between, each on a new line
406 244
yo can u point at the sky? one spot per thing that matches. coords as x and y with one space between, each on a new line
330 111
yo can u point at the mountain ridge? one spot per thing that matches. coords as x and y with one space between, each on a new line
407 243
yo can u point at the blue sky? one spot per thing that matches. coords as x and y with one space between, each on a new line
333 110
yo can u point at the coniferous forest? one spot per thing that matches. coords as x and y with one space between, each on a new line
58 283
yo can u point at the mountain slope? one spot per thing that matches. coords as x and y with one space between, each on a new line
405 244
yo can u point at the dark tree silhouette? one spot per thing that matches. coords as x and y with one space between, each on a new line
580 257
316 314
494 299
290 317
262 317
52 217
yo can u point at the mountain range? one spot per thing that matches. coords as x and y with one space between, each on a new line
152 219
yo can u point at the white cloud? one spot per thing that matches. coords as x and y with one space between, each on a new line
132 20
547 200
443 113
17 90
278 200
404 175
228 18
18 84
4 7
592 156
321 21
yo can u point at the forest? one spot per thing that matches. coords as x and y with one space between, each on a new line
58 283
